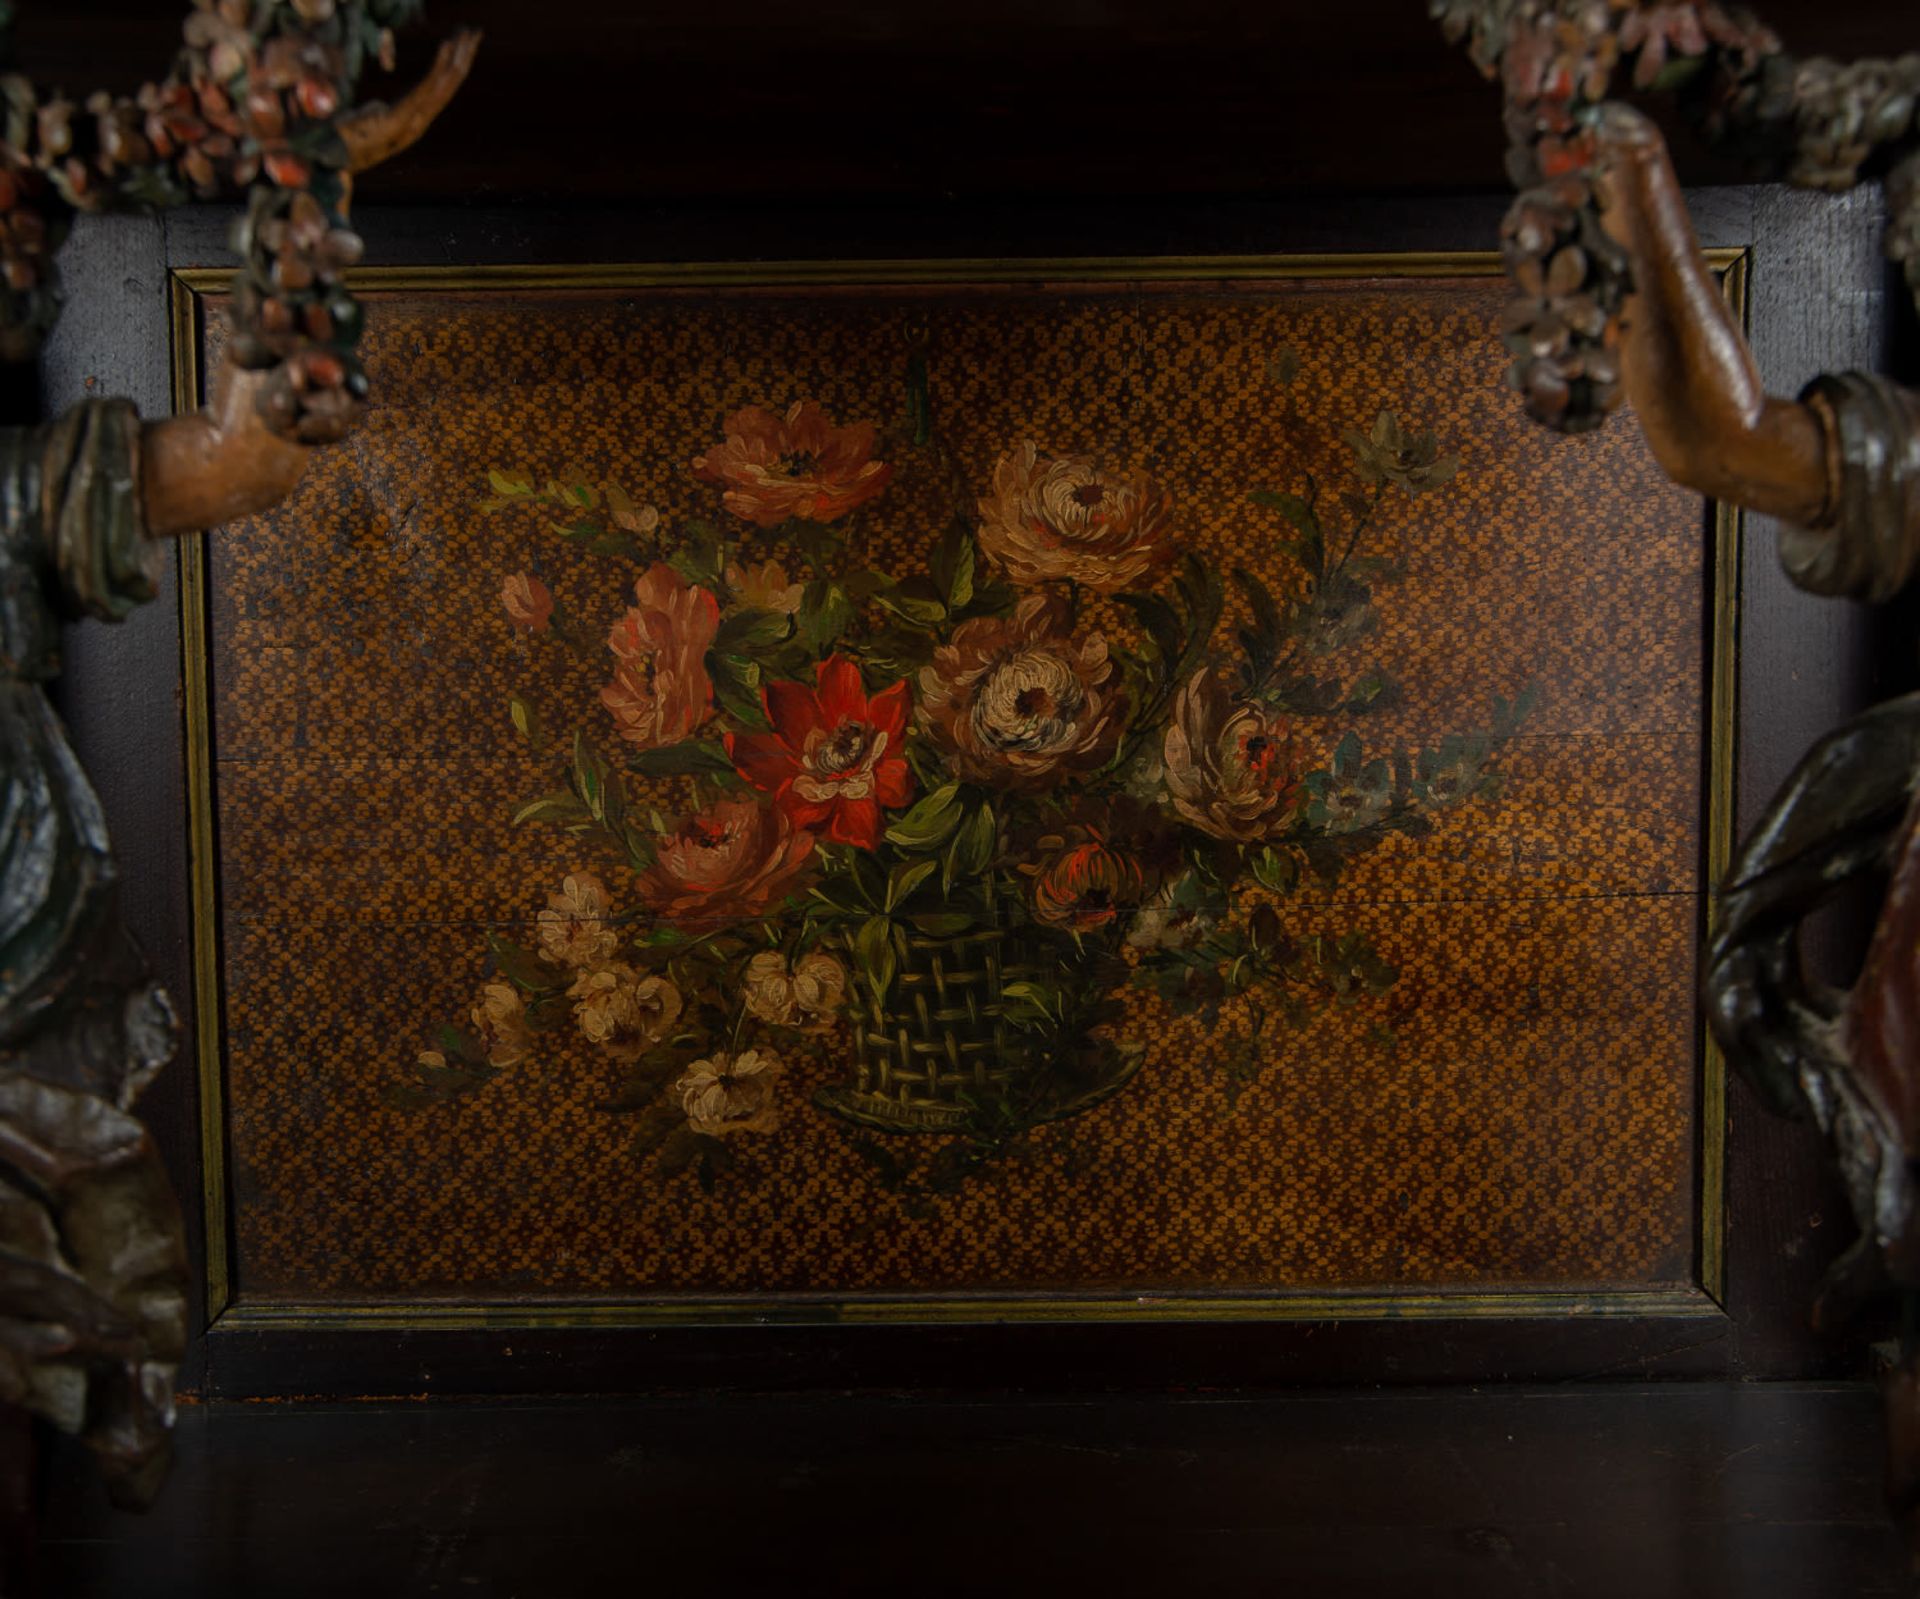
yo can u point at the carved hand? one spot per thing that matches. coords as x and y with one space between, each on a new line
224 461
1688 372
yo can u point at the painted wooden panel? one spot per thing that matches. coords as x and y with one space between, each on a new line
1078 792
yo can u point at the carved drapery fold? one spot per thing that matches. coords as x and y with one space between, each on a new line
1868 544
92 1269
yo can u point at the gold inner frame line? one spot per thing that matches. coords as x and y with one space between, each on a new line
188 289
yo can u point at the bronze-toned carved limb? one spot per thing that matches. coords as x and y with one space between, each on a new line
92 1268
1847 810
1616 300
1817 123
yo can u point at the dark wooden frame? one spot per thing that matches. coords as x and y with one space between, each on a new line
1818 298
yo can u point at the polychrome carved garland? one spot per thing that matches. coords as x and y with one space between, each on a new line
944 827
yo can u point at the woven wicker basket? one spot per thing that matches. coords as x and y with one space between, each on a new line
925 1054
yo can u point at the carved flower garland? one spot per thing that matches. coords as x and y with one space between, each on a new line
1818 123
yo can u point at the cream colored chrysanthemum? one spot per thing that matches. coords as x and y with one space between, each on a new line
574 931
805 995
623 1012
731 1093
500 1018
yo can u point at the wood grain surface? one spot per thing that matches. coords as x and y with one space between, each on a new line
1692 1492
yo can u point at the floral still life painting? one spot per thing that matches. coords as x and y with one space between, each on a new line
869 789
944 826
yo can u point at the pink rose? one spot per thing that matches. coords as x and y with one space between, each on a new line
660 690
798 465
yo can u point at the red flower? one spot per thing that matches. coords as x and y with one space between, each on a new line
1086 887
660 690
834 757
737 858
799 465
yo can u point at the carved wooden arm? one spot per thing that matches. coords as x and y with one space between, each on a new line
224 461
1686 367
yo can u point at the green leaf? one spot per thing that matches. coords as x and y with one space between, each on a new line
953 565
736 684
526 720
510 485
659 1120
749 631
919 400
848 903
692 757
1162 624
931 822
1033 1004
1306 522
438 1085
941 924
914 602
1373 692
1201 592
1266 615
589 777
1277 870
905 878
972 849
825 613
873 944
563 808
1291 506
701 558
578 532
521 966
898 651
868 876
1260 641
460 1045
680 1149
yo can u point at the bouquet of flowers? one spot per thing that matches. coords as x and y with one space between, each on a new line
943 830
